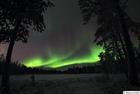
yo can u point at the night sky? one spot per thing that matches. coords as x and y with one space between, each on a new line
65 33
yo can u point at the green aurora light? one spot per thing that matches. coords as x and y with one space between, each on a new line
57 61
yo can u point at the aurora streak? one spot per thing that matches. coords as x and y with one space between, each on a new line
61 61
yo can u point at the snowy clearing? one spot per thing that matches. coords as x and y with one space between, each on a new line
70 84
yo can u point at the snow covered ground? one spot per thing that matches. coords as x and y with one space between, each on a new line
70 84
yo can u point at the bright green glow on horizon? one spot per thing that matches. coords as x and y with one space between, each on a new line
56 62
37 62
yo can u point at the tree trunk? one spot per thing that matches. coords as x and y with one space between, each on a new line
124 60
133 77
5 75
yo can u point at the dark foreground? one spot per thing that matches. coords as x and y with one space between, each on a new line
70 84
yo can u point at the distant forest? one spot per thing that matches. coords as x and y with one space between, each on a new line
108 68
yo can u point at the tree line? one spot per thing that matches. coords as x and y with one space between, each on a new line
113 32
107 68
17 19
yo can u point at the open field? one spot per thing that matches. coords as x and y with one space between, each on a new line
70 84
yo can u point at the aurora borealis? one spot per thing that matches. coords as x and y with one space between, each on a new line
65 33
61 61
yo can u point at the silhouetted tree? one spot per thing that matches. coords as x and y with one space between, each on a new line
114 26
1 62
17 19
